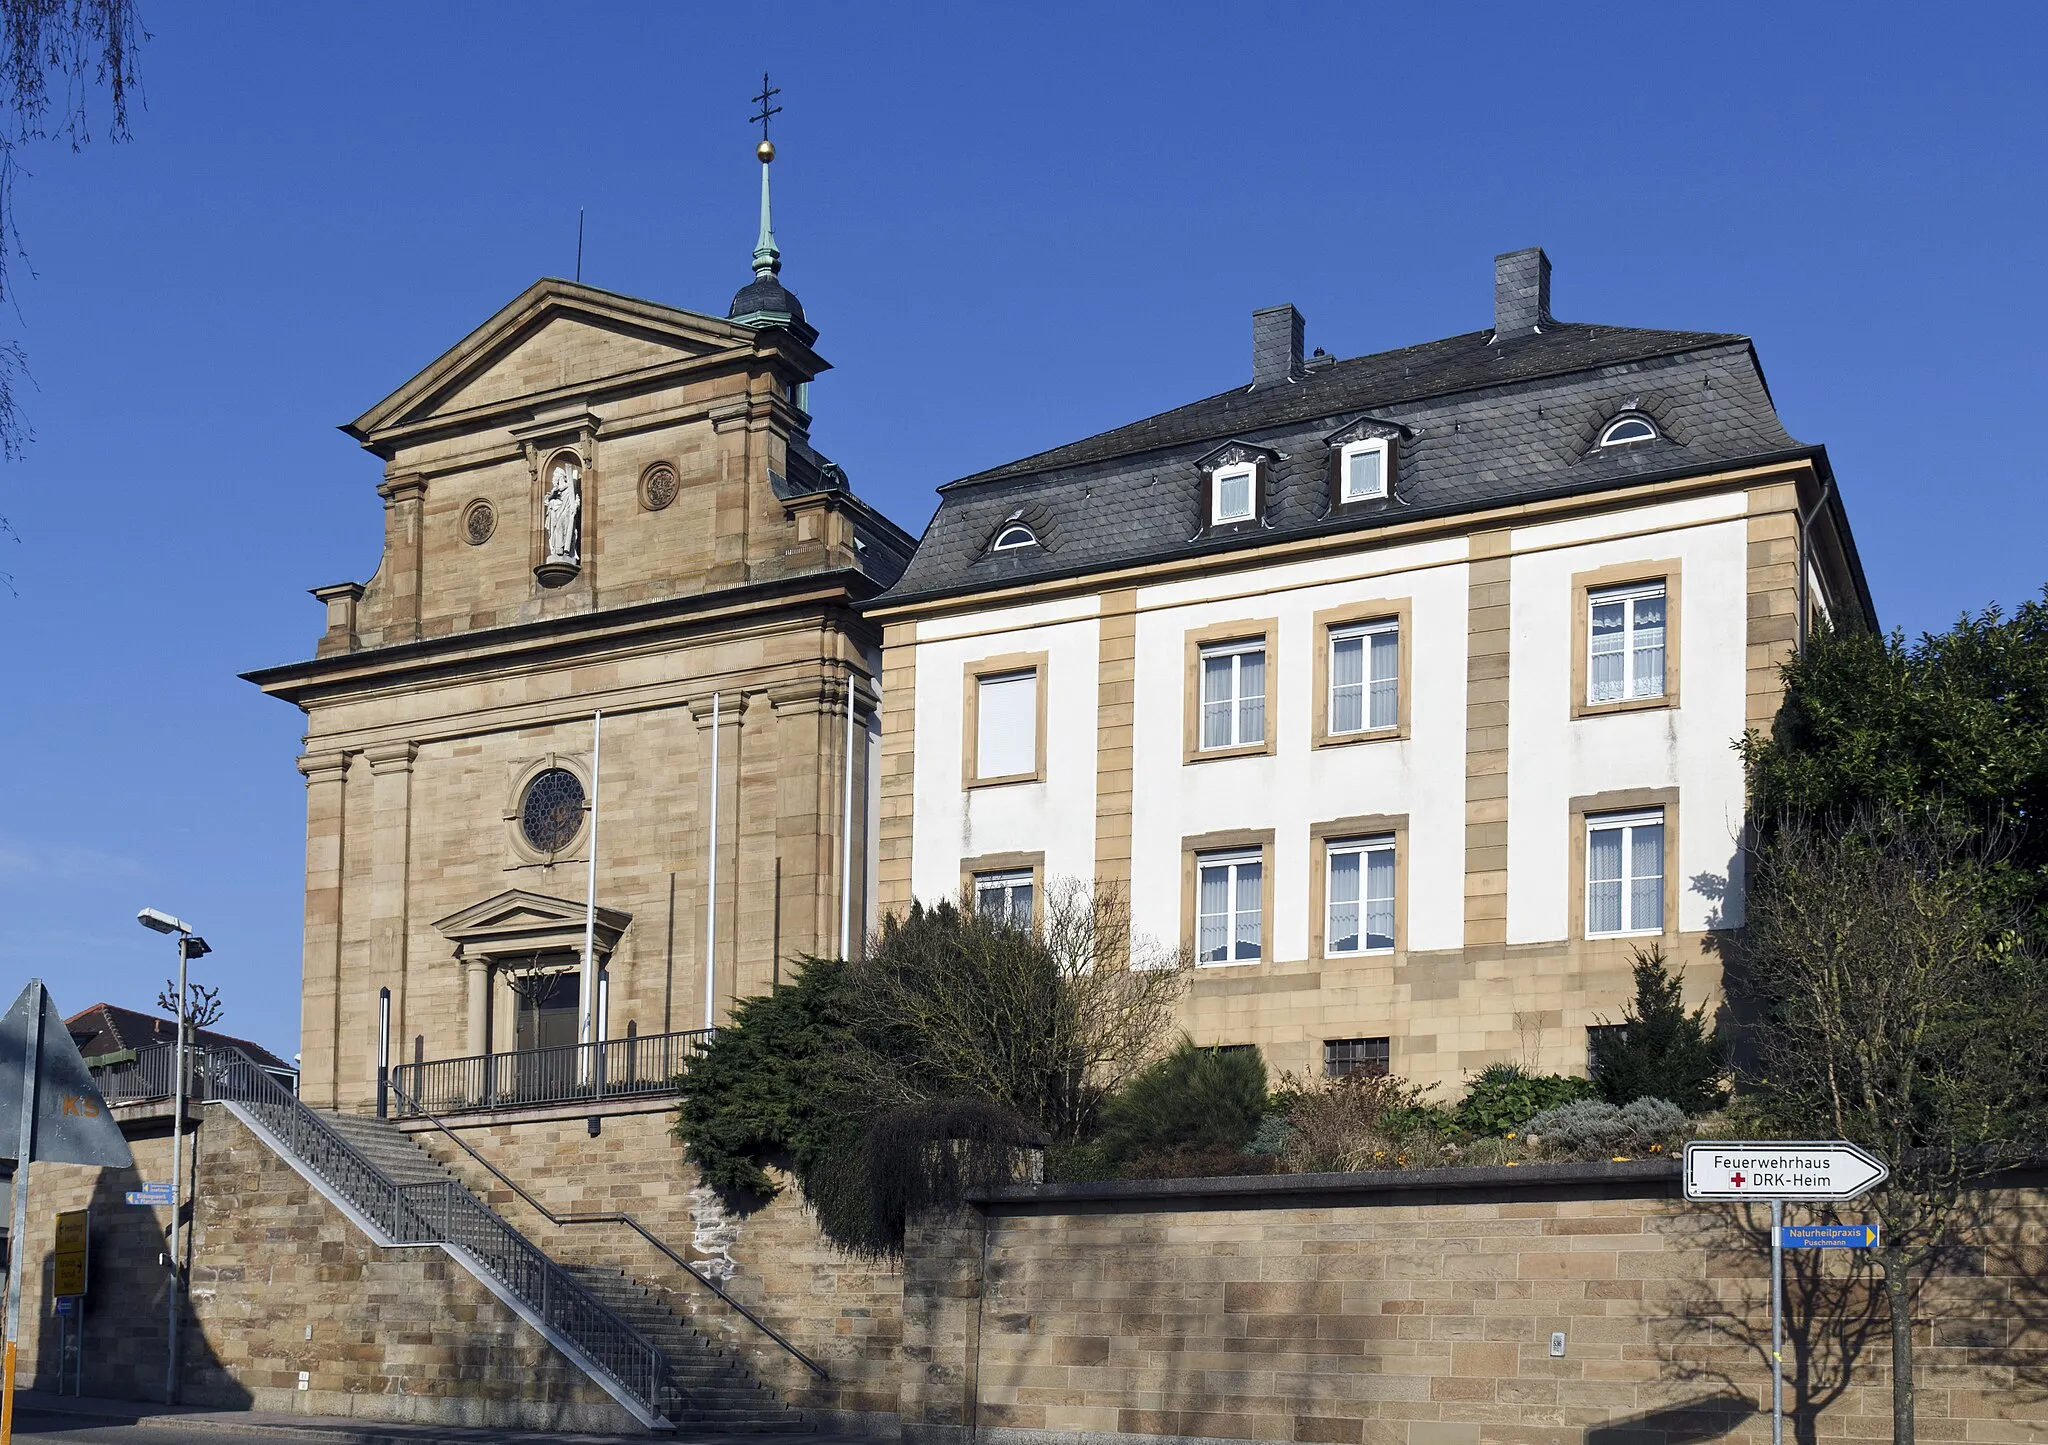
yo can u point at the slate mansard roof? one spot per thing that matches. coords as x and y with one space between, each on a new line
1484 420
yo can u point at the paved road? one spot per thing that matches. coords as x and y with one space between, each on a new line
62 1430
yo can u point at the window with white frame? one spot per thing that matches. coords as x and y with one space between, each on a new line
1625 643
1626 431
1013 535
1228 900
1365 676
1625 873
1006 725
1006 897
1359 897
1233 694
1234 491
1362 467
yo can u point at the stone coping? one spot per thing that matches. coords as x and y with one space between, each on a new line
1500 1183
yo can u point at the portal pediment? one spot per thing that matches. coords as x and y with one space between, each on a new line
519 924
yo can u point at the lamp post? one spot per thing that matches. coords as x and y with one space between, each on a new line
190 946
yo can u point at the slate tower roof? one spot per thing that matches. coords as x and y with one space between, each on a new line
1510 414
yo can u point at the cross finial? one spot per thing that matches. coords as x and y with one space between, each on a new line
768 93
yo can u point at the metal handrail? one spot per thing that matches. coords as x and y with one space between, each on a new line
610 1068
438 1212
616 1217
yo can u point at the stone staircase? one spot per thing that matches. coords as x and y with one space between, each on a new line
704 1389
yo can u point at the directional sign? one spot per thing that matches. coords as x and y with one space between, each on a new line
74 1230
159 1194
1827 1236
72 1123
1716 1169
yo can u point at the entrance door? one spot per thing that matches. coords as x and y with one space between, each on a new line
545 1035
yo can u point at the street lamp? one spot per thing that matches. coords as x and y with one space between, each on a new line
190 946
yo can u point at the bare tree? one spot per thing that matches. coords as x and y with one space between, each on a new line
1045 1021
54 54
203 1007
1899 1007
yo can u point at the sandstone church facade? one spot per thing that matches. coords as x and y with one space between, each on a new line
592 504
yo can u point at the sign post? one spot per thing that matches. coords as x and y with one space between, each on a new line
1804 1170
50 1110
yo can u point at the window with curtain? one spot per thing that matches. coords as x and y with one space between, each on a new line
1006 897
1006 725
1233 694
1234 501
1228 903
1360 897
1365 470
1625 641
1625 873
1365 681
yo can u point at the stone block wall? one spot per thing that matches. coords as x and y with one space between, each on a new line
1356 1310
844 1313
282 1282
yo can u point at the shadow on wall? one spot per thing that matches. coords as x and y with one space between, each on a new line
124 1338
1707 1418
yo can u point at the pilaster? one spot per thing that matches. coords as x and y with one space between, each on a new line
899 767
391 767
405 500
326 774
1115 734
1486 742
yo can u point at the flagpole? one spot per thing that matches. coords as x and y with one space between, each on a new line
587 1025
17 1241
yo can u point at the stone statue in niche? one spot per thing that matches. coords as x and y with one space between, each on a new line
562 511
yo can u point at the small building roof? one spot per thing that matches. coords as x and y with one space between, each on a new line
107 1028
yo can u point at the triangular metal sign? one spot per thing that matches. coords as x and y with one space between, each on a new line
72 1122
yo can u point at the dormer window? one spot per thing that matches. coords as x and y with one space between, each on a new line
1362 470
1235 494
1013 536
1627 430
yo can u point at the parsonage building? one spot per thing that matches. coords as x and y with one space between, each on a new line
1402 690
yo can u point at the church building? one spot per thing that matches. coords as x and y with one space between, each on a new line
592 504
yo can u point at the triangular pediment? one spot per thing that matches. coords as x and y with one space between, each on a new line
556 336
517 922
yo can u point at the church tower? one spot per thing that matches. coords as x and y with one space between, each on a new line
592 503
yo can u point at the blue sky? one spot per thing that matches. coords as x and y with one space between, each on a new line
1012 226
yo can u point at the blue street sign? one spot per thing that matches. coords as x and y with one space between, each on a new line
150 1194
67 1304
1828 1236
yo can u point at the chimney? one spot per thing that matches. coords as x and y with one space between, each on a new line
1276 346
1521 293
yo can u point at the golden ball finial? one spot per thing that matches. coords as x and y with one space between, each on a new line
765 151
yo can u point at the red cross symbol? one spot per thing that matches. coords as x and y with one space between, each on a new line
1738 1180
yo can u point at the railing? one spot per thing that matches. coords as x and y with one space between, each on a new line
573 1073
440 1212
407 1106
149 1074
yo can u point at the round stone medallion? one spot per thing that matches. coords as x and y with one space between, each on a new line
479 520
658 487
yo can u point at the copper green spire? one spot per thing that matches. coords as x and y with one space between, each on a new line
767 256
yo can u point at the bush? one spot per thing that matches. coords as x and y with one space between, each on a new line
1504 1097
1596 1129
1194 1099
1659 1050
1359 1121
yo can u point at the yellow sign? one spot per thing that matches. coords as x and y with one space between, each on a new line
73 1230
